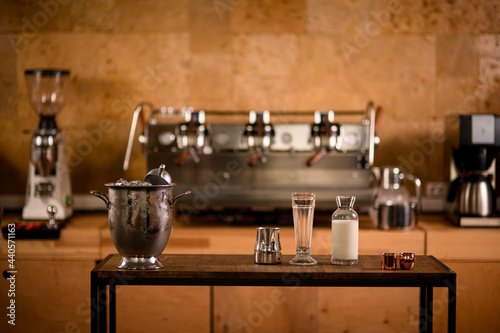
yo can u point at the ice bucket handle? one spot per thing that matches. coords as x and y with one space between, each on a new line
177 197
101 196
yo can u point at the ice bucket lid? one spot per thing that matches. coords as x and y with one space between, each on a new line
137 187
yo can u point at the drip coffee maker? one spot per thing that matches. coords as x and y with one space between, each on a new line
473 145
48 175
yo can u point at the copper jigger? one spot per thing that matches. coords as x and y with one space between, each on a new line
389 260
406 260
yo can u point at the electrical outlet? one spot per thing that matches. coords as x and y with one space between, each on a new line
436 190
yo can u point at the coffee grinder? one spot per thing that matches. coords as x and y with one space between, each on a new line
48 176
473 146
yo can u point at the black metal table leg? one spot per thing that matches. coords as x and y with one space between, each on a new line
430 314
94 304
423 310
112 308
102 307
426 309
452 305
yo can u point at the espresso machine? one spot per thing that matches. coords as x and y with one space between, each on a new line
472 147
48 188
252 160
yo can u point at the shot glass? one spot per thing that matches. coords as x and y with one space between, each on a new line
267 249
389 260
406 260
303 204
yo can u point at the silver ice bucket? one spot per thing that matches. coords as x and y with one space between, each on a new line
140 221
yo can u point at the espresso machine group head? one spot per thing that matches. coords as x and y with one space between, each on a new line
258 134
48 176
473 145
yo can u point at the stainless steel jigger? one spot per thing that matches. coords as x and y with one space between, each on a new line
267 246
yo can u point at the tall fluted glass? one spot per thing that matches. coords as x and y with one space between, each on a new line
303 215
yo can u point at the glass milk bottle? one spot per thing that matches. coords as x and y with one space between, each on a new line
345 225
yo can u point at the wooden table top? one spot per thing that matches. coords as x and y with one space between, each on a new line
184 269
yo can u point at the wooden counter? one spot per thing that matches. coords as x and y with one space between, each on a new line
80 240
448 242
86 236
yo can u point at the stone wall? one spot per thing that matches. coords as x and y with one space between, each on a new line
419 60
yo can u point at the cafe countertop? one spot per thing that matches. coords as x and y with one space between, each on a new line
86 236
